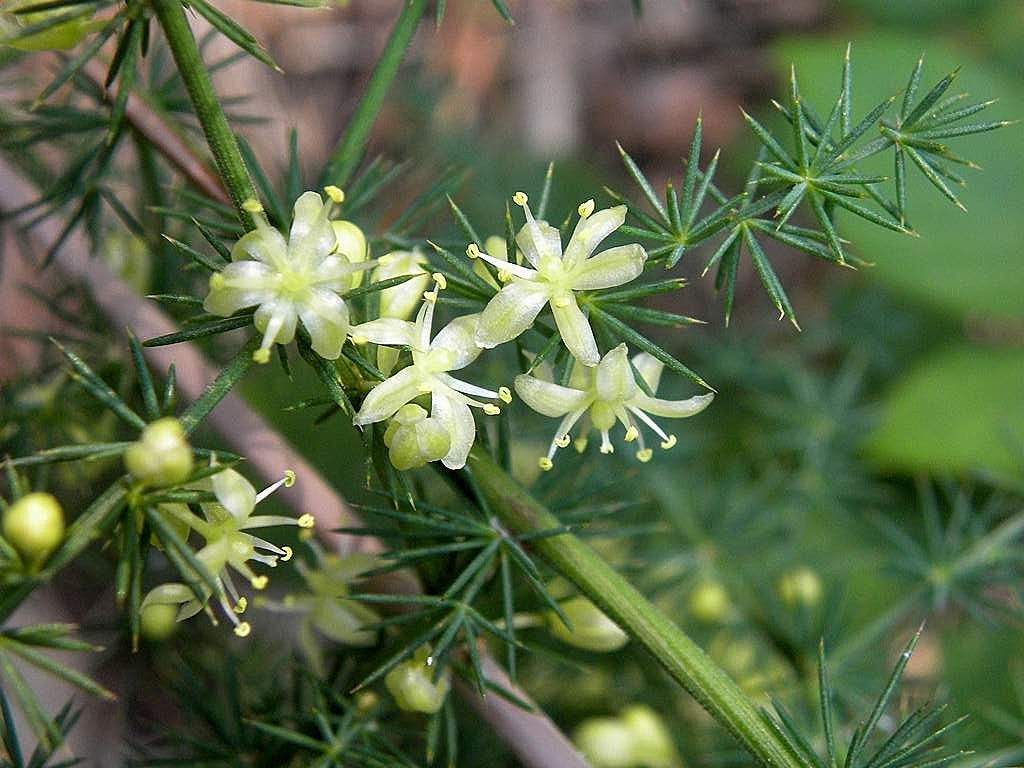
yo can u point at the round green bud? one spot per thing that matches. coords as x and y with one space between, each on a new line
709 602
414 439
34 526
800 587
158 621
605 742
413 687
162 455
351 245
590 630
652 742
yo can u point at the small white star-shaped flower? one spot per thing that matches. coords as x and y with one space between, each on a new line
553 278
607 393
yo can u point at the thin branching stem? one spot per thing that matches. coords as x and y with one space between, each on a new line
681 657
208 110
346 156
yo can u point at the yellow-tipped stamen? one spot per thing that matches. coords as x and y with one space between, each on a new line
563 441
259 582
240 605
586 208
666 444
545 463
289 478
491 410
335 193
261 356
473 251
520 198
644 455
306 521
243 629
505 394
441 280
252 205
288 552
632 433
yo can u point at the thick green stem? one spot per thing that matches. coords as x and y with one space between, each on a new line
349 151
677 653
219 136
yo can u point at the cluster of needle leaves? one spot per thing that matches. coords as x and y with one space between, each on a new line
813 169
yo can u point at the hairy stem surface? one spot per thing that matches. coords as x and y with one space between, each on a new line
678 654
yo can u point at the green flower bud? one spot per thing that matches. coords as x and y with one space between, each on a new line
605 742
652 743
351 245
34 526
800 587
591 629
413 686
158 621
709 602
414 439
162 455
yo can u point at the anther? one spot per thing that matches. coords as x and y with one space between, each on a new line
545 463
666 444
520 198
289 478
306 521
586 208
288 552
473 251
441 280
632 433
241 605
252 205
505 394
644 455
243 629
563 440
259 582
261 356
334 193
491 410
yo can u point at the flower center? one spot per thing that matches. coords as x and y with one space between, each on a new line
293 283
552 270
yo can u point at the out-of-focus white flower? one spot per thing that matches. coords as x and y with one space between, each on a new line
302 278
452 349
228 543
607 393
553 277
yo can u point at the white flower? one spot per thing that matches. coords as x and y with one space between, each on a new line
607 393
555 276
451 349
228 544
399 301
301 279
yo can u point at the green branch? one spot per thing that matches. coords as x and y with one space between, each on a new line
349 151
219 136
677 653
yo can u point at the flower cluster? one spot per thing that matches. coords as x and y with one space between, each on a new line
428 410
225 527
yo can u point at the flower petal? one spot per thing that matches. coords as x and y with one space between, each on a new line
325 316
614 380
167 594
536 239
548 398
458 338
650 369
401 301
512 310
457 418
590 232
389 331
576 331
672 409
281 313
350 242
312 236
240 284
265 244
609 268
388 396
235 493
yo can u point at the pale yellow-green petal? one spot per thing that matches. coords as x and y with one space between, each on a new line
457 419
672 409
590 232
548 398
512 310
167 594
650 369
265 244
387 397
311 237
280 312
577 335
325 316
389 331
235 493
239 285
537 239
614 381
616 266
351 243
458 338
